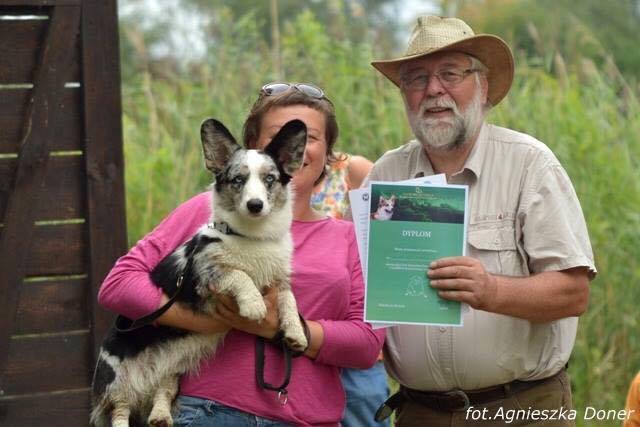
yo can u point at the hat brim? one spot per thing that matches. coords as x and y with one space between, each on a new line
491 50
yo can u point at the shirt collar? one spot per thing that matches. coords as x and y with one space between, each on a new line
473 163
476 156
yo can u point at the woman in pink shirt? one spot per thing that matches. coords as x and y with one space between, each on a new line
326 280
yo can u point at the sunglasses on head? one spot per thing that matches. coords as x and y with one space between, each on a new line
306 88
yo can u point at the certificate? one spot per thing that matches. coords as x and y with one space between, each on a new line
411 225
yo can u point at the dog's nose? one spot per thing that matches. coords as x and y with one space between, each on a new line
255 205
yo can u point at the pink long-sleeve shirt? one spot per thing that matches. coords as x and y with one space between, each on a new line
328 286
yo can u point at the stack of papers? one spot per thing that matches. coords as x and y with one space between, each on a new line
401 227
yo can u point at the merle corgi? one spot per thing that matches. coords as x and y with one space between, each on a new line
245 248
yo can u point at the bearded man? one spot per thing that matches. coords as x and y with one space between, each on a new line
526 276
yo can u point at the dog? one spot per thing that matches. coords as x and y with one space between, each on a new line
385 208
245 249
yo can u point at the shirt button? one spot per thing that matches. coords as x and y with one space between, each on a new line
443 329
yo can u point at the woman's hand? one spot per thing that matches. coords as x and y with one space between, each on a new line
227 312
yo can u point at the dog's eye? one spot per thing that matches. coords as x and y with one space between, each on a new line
237 180
269 179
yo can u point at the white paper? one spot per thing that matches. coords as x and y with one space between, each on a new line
359 200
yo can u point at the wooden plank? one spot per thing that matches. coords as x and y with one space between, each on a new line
40 128
52 306
41 2
14 107
20 43
22 10
60 198
105 164
47 363
57 250
58 409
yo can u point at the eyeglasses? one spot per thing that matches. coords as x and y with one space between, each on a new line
447 77
306 88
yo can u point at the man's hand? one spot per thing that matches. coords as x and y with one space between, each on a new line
227 311
464 279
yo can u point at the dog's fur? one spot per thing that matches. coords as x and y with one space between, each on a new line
137 372
385 208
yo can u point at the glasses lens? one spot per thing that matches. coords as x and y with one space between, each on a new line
275 88
310 90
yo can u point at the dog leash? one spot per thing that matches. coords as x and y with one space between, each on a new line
282 388
124 324
278 341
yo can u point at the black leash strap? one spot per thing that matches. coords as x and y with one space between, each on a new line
124 324
278 341
282 388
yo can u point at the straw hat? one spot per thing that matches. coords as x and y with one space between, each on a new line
435 34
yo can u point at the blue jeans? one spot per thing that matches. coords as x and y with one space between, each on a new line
196 412
366 390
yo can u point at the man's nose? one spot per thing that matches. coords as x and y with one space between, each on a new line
434 87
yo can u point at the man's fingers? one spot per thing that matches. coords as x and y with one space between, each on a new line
456 271
461 296
449 261
453 285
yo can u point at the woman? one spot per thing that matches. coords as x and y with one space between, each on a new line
326 280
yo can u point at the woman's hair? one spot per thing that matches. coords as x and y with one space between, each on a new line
264 103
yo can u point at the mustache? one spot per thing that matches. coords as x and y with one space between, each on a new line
442 102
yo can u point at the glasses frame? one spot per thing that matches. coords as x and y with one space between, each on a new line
417 86
308 89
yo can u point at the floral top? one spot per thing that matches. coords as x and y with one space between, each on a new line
331 195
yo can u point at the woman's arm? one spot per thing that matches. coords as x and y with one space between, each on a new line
183 318
350 342
128 289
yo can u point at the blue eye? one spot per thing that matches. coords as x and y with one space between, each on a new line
269 179
238 180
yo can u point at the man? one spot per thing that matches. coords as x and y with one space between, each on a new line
526 276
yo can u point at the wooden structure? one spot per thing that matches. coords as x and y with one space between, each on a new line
62 222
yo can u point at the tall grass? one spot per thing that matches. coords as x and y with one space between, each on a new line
591 122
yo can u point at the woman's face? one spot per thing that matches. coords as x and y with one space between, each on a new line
315 153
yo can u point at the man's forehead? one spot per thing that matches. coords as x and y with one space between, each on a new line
438 60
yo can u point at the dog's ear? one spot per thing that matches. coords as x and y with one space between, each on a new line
287 147
381 200
218 145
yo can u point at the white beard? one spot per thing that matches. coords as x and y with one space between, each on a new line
446 133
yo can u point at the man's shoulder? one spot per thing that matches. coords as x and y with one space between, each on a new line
519 143
403 151
393 164
399 157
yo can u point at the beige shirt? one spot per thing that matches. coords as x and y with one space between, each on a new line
524 218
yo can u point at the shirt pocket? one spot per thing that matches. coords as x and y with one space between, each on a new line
495 246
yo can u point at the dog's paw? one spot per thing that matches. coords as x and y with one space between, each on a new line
295 339
160 418
253 309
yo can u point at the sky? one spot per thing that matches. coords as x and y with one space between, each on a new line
186 27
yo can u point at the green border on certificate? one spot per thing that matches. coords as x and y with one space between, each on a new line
409 227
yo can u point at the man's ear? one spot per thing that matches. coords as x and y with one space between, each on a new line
218 145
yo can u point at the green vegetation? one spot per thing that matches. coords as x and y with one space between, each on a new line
588 115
